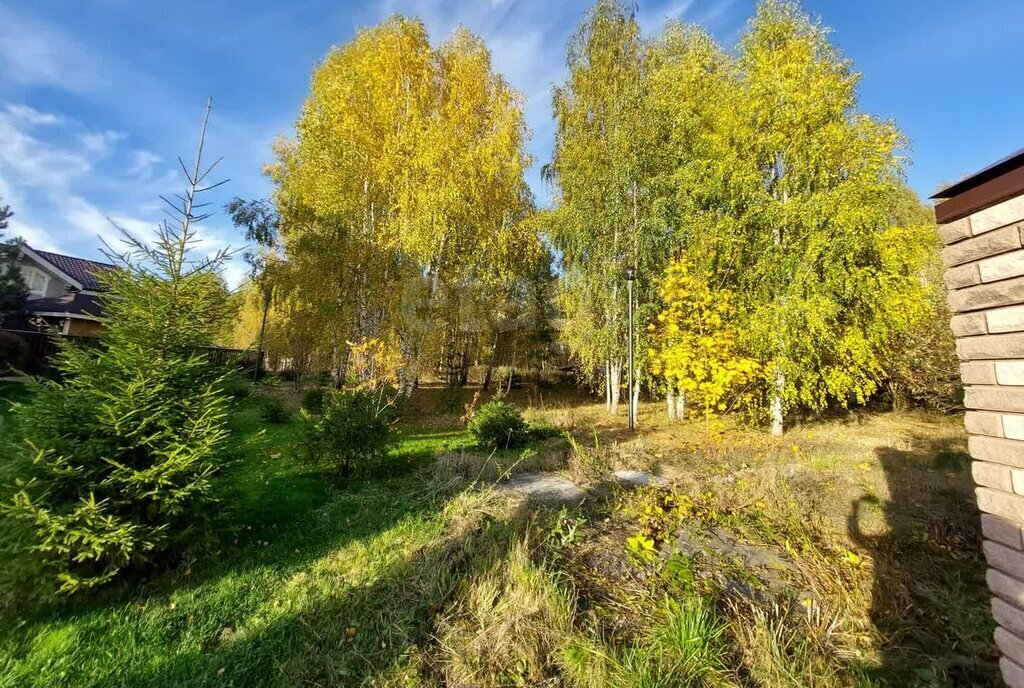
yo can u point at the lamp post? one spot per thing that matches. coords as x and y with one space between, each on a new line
630 278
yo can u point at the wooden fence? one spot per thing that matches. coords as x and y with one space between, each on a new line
41 347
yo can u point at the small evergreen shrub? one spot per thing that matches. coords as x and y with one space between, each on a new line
314 398
352 431
498 425
13 352
273 410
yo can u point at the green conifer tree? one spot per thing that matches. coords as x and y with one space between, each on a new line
120 451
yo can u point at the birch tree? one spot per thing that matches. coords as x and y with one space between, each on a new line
792 200
407 171
603 168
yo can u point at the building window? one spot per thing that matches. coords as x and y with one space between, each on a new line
36 280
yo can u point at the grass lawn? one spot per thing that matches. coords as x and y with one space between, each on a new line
413 576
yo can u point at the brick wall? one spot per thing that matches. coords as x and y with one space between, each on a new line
984 259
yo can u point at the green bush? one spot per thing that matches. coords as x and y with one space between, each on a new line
13 352
352 431
273 410
314 398
499 425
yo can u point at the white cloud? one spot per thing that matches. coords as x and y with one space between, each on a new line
32 53
652 21
101 143
33 236
142 162
30 116
27 161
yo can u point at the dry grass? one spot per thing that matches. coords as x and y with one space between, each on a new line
478 466
507 625
875 511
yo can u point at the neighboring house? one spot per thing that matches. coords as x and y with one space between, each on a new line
64 291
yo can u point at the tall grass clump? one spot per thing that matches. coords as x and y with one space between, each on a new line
507 625
686 646
119 453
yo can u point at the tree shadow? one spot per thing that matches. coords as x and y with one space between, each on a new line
929 598
352 635
297 518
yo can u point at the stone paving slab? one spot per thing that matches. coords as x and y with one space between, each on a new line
547 487
638 478
553 487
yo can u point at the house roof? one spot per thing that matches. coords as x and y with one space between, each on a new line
996 169
85 272
999 181
72 304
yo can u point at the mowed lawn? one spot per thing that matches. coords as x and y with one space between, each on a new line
411 576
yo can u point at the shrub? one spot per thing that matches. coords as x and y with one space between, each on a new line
118 457
273 410
289 375
350 432
498 425
13 352
314 398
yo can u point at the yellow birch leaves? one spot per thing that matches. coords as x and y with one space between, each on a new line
694 340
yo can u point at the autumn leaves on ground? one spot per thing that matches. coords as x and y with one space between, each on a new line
799 508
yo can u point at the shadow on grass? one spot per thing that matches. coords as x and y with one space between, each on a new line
929 601
285 522
353 635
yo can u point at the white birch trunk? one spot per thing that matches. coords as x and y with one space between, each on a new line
778 427
681 406
776 407
608 386
636 400
615 386
670 403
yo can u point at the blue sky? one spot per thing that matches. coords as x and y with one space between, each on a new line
97 98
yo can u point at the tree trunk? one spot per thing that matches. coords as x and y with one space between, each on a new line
680 412
778 426
636 400
490 362
608 386
776 405
336 373
615 386
263 333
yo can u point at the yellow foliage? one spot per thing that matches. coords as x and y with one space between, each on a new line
375 362
694 340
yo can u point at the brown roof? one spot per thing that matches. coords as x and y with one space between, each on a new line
73 303
994 184
85 272
996 169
